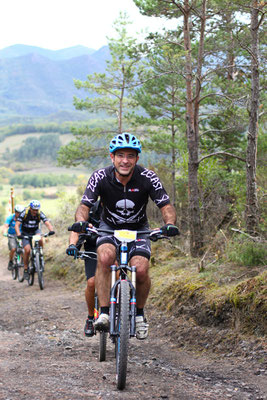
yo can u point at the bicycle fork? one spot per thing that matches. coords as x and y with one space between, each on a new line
113 300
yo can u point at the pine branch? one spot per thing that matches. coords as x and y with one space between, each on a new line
221 153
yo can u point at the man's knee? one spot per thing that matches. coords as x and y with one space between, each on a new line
142 268
27 249
91 283
106 255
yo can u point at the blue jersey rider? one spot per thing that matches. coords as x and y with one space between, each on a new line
9 229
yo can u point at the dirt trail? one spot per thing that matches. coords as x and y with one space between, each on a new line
44 355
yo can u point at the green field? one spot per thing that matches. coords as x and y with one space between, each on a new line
14 142
50 206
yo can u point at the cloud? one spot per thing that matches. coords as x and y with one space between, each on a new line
57 24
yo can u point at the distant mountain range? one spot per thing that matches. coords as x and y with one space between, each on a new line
37 82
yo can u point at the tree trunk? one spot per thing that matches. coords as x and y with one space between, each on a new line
196 232
251 161
173 153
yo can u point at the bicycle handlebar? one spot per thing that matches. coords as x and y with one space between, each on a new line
41 234
154 235
86 254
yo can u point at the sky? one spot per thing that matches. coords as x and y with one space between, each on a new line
57 24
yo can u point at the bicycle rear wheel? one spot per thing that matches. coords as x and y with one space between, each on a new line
102 334
39 270
123 326
102 345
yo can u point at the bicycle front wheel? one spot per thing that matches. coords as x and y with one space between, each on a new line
20 268
123 325
14 271
31 273
39 270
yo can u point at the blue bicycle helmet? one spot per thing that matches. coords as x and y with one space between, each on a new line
35 204
125 141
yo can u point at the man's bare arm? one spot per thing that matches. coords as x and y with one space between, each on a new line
168 213
73 239
17 225
49 225
82 213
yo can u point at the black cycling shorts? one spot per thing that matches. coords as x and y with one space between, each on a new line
89 263
140 247
28 241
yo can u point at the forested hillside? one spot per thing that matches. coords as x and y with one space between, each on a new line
38 82
194 96
18 50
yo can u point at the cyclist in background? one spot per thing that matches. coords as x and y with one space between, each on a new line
124 189
76 242
28 222
9 229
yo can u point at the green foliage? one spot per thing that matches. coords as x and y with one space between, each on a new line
22 129
67 206
44 147
108 94
42 180
2 214
28 194
161 97
89 147
5 174
244 251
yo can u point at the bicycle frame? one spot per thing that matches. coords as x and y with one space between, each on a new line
125 237
123 268
122 310
36 258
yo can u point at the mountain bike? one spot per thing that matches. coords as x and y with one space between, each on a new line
103 335
18 260
123 296
36 262
17 269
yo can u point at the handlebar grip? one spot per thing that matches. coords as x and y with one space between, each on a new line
70 228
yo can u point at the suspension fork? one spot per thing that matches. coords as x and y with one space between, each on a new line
113 296
112 309
133 301
113 300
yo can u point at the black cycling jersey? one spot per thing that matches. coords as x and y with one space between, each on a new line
124 207
30 224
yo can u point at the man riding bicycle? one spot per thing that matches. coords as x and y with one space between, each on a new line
9 229
124 189
29 221
90 264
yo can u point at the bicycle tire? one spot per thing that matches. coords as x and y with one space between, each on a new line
102 345
31 273
20 268
102 335
39 271
123 338
14 272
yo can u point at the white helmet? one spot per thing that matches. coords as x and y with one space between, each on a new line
19 208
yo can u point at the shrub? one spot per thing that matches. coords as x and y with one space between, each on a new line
244 251
42 180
